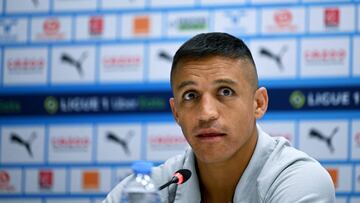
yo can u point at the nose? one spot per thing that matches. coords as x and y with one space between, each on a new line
208 110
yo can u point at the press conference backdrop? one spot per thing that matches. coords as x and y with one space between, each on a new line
84 86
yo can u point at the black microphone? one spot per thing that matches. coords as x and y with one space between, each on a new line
180 177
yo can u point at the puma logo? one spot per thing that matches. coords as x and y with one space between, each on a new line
123 142
66 58
15 138
276 57
327 139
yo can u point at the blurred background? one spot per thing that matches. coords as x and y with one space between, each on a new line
84 87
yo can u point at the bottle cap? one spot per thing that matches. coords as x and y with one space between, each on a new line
142 167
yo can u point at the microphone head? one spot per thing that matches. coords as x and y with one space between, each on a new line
182 175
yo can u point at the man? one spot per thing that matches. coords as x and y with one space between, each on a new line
216 103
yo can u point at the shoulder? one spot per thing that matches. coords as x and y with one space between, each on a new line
290 175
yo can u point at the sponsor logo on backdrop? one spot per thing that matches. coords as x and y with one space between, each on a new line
297 99
9 29
332 17
76 63
25 65
325 56
277 57
91 180
236 21
357 139
96 25
123 142
167 142
283 20
7 25
185 24
5 184
327 139
164 55
46 179
122 63
71 144
35 3
334 174
51 30
26 144
141 25
10 106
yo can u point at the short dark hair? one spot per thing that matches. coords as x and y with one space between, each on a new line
214 44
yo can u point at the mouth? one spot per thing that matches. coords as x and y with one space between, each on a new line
210 135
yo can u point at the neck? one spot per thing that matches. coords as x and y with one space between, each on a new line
218 181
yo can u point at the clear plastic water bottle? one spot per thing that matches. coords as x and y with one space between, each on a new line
140 188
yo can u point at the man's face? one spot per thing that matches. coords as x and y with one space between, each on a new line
215 105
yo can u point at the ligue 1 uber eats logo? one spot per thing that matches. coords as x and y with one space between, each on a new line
51 105
297 99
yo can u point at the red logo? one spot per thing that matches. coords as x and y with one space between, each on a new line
45 179
325 56
96 25
51 26
5 182
283 18
332 17
75 143
25 64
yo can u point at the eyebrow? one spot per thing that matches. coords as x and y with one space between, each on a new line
219 81
185 83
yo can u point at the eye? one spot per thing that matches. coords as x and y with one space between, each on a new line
225 91
189 96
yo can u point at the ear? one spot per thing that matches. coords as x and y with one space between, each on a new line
173 109
261 100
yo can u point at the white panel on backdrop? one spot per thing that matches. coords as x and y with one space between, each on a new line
123 4
118 142
340 200
283 21
139 25
73 64
284 129
355 56
96 27
323 1
45 181
121 63
69 143
16 200
45 29
120 174
187 24
27 6
90 180
164 140
222 2
74 5
325 57
238 22
352 200
13 30
324 139
275 58
11 181
68 200
160 57
162 3
332 19
25 65
22 144
272 1
355 140
341 176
